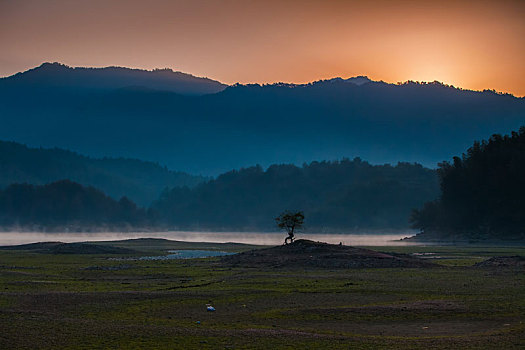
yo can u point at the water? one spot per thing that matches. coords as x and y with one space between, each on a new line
271 238
186 254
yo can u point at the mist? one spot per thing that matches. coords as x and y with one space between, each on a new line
258 238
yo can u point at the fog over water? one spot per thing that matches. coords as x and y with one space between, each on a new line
273 238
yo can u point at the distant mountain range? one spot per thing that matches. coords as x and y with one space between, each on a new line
140 181
202 126
59 76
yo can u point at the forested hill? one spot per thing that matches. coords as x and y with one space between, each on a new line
482 194
141 181
250 124
65 205
342 196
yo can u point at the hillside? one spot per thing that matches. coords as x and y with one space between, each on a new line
66 206
342 196
140 181
253 124
482 194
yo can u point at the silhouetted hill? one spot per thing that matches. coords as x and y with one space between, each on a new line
250 124
335 196
69 248
141 181
65 205
482 194
59 76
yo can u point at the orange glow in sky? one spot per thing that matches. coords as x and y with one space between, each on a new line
471 44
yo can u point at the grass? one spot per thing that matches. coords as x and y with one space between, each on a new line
90 301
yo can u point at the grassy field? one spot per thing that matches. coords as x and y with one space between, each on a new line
77 301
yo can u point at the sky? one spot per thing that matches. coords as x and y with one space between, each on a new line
470 44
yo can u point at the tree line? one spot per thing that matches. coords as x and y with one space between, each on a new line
479 195
346 195
66 205
482 193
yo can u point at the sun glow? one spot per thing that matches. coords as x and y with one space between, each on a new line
474 45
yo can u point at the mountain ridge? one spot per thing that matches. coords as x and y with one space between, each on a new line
267 124
60 75
355 80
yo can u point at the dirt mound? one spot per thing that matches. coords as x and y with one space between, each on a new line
69 248
303 253
503 261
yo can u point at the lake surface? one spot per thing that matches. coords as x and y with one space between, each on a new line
186 254
267 238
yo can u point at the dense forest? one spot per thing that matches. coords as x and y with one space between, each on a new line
65 205
347 195
482 193
141 181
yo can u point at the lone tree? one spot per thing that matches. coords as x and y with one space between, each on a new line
290 221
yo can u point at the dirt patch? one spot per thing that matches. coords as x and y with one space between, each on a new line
418 306
503 261
305 253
